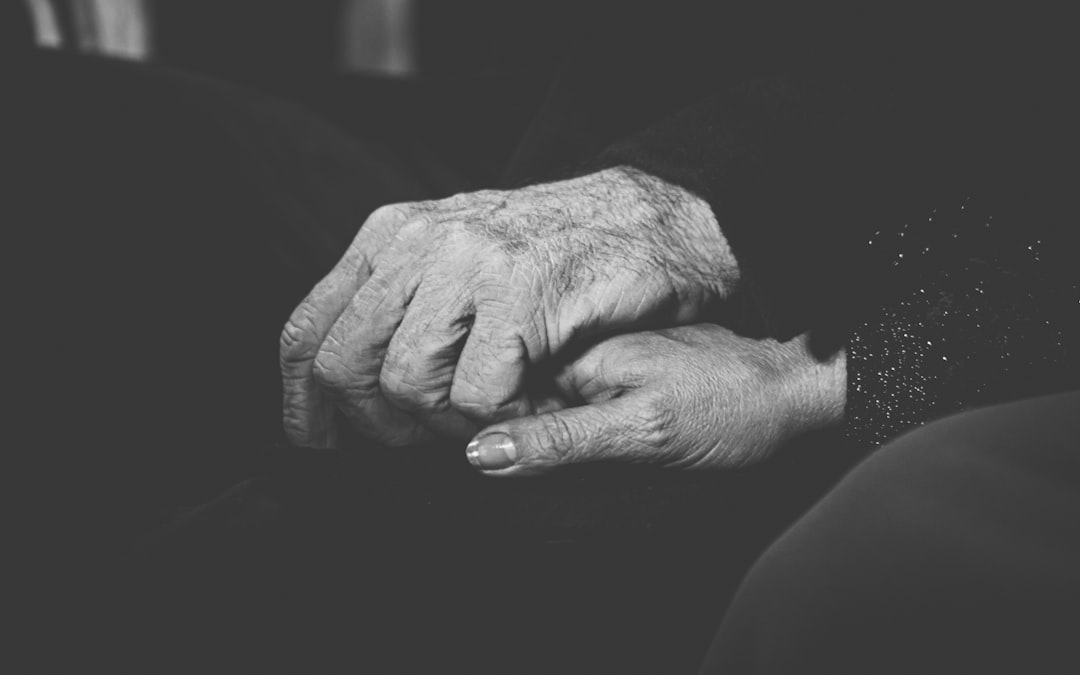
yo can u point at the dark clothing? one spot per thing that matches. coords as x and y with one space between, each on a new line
160 230
164 226
893 179
954 549
838 143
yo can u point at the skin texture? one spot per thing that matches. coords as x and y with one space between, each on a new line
432 322
688 397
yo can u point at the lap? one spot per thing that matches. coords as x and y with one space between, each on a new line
158 230
953 549
161 227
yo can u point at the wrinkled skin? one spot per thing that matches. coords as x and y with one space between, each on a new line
688 397
429 324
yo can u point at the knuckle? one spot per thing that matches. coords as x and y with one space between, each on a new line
459 199
414 227
486 397
477 409
328 371
386 225
296 428
468 199
655 424
409 393
500 299
388 214
558 437
475 404
299 337
332 374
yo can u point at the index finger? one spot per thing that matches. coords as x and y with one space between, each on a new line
308 412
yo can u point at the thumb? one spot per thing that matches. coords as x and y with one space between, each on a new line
526 445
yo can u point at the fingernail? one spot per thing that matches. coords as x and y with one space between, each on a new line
493 451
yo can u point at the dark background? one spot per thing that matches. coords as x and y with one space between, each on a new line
402 561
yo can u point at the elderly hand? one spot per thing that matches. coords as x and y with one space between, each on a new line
692 397
430 321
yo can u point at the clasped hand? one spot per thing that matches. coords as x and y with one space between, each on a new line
439 316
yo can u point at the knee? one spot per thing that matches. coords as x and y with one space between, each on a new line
914 562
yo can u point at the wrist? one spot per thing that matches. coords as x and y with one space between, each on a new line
814 388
